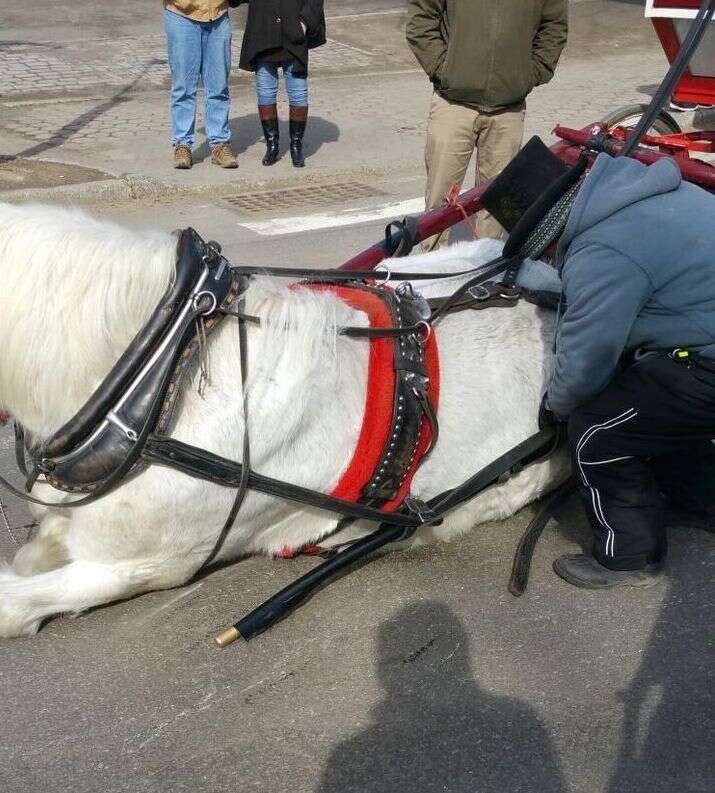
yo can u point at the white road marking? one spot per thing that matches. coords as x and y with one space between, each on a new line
345 217
385 13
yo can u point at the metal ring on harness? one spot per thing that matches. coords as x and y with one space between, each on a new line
387 270
427 327
479 292
199 297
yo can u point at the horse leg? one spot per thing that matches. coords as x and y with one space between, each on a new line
25 601
47 551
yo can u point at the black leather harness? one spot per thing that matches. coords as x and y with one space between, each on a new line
139 394
123 426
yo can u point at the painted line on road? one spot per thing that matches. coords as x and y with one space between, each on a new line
385 13
347 217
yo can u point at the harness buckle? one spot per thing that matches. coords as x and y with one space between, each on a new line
45 465
423 512
510 292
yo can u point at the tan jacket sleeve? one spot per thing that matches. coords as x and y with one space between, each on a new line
425 33
550 39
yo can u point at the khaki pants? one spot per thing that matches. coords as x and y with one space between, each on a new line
453 132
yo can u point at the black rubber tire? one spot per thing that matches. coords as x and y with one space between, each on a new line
664 123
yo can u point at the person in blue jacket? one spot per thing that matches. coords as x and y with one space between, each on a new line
634 365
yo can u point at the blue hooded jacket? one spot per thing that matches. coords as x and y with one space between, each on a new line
637 263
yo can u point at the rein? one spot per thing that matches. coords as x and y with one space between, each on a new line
495 267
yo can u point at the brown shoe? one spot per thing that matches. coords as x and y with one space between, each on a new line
223 156
182 157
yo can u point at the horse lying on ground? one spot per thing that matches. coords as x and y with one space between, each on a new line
76 290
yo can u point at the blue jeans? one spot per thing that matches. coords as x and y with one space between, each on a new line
267 83
198 49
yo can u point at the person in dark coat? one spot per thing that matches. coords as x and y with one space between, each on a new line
279 34
634 365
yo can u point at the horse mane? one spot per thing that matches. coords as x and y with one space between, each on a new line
77 290
298 325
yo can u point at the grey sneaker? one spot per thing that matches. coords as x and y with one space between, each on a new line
182 157
584 571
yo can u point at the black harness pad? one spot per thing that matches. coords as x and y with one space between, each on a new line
142 387
189 250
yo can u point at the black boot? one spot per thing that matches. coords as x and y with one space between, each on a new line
582 570
269 121
297 122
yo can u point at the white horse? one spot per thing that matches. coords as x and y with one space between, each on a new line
75 290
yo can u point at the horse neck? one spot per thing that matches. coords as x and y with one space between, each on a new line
306 384
78 299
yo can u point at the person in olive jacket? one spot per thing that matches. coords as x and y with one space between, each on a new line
483 58
278 35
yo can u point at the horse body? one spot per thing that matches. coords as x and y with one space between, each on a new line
77 291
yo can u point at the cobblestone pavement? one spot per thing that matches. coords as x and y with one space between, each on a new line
129 133
57 69
102 102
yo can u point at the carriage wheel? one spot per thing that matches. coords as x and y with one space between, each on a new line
630 115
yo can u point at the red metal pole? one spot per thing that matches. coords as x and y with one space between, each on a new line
696 171
433 222
569 149
442 218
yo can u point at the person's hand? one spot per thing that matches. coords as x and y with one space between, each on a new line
4 417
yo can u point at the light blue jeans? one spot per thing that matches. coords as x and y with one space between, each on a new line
267 84
198 49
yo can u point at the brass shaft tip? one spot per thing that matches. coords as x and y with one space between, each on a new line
227 637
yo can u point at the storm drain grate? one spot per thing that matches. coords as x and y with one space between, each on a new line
307 195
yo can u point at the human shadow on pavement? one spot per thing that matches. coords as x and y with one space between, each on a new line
246 131
436 728
669 725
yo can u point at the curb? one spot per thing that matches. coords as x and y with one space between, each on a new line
131 187
120 188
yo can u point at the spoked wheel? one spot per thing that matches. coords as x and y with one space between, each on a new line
630 115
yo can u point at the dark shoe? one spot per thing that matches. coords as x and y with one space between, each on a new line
223 156
296 126
182 157
269 121
584 571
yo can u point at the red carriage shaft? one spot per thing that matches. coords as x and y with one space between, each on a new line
696 171
569 150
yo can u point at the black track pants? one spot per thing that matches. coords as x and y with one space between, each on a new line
645 435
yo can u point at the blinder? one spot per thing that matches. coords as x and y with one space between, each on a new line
141 390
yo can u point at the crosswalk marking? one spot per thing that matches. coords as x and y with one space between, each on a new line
346 217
